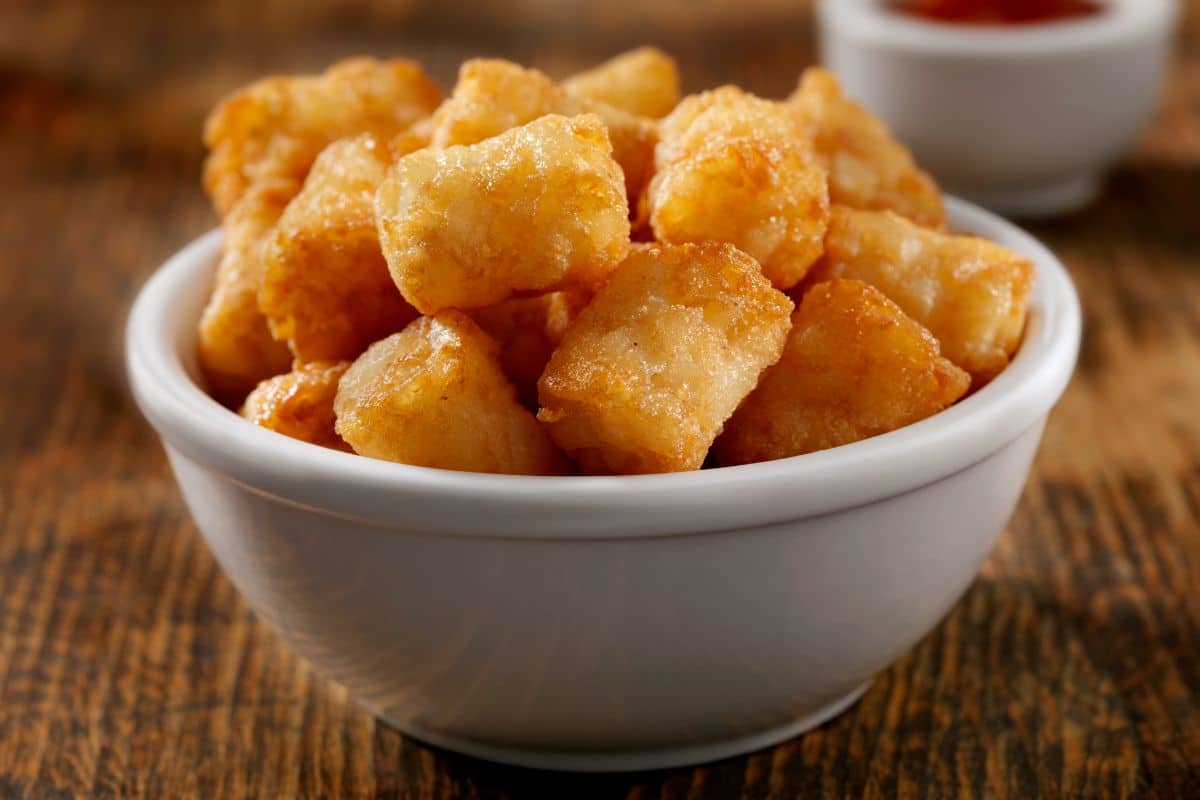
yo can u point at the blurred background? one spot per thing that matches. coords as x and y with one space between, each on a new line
128 83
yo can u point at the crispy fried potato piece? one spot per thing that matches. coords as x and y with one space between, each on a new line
735 168
235 348
433 395
868 168
299 403
972 294
563 309
275 127
326 289
652 368
855 366
536 208
493 95
418 136
644 81
527 329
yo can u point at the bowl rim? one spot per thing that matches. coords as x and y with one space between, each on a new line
160 342
868 21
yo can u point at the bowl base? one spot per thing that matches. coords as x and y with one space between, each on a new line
634 760
1040 202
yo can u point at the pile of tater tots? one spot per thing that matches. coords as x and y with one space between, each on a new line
592 276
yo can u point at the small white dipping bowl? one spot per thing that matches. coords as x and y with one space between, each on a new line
604 623
1022 119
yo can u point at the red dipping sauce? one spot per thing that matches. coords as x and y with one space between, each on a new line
998 12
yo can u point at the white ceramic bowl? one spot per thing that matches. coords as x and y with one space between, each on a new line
600 623
1023 120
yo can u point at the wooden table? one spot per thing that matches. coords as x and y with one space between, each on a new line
128 665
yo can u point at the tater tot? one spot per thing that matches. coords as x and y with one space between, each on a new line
493 95
433 395
855 366
235 349
536 208
972 294
868 168
658 361
644 81
326 289
275 127
299 403
563 309
527 329
735 168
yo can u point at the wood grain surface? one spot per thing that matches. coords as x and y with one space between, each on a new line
130 668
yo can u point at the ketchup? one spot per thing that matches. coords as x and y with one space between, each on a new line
998 12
